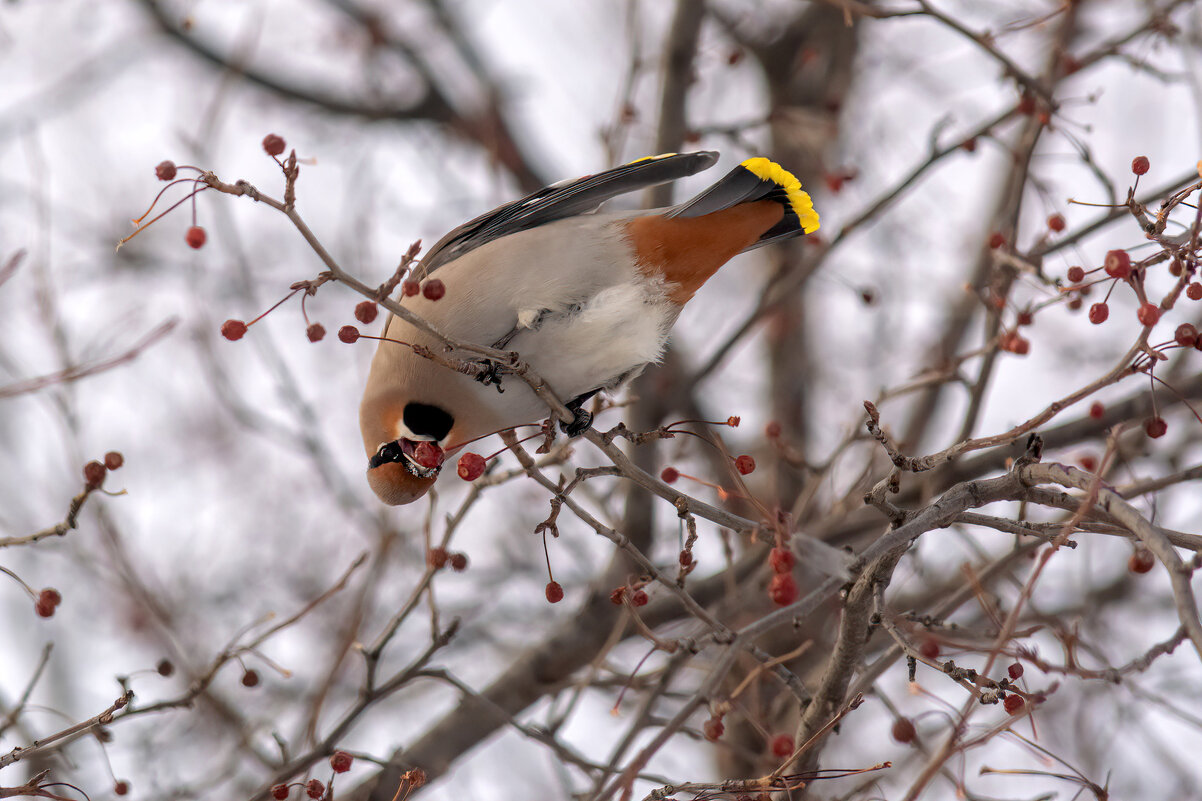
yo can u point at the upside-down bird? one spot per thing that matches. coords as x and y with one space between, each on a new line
585 297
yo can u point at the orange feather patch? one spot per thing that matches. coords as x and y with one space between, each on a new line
686 251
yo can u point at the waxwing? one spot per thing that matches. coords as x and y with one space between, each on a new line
586 297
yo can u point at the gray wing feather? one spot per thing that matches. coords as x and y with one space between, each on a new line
564 199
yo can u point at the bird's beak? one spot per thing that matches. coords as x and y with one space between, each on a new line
404 470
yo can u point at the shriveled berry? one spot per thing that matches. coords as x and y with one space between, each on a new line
1117 264
1014 704
1098 313
165 668
929 648
782 746
433 289
734 420
279 792
366 311
1088 463
121 787
781 560
316 332
348 334
93 474
1015 671
639 598
782 589
669 475
315 788
340 761
50 596
685 558
410 288
618 594
274 145
165 171
195 237
1075 303
1026 104
1076 275
745 464
772 430
1020 346
1149 314
415 776
554 592
233 330
713 729
471 466
996 240
437 558
113 460
459 562
1096 410
1025 318
250 678
43 609
969 145
1141 561
1056 223
1186 335
903 730
1194 291
1156 427
1140 165
428 455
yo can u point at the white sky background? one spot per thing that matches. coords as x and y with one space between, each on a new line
228 525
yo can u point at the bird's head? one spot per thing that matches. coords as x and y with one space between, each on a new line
408 457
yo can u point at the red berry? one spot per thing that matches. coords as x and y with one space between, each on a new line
1025 318
929 648
781 560
617 595
1186 335
1056 223
1020 346
164 668
315 788
1074 303
1014 704
996 240
1088 463
1140 165
834 182
279 792
1149 314
1194 291
1098 313
1117 264
274 145
340 761
250 678
669 475
782 589
165 171
685 558
638 598
1076 275
1141 561
195 237
121 787
50 596
782 746
93 474
772 430
471 466
969 145
410 288
459 562
1097 410
1015 671
366 311
43 609
233 330
433 289
713 729
903 730
113 460
315 332
745 464
554 592
428 455
348 334
1156 427
437 558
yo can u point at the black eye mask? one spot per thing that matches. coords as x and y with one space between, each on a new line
389 452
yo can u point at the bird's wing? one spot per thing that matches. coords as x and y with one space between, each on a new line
564 199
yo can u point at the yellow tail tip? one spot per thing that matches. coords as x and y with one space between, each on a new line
799 200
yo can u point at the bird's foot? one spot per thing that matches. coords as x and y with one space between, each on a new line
580 423
490 374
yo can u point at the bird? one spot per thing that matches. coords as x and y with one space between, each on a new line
585 297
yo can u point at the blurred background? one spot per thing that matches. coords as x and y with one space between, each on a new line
941 143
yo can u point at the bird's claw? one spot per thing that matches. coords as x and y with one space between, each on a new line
490 374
